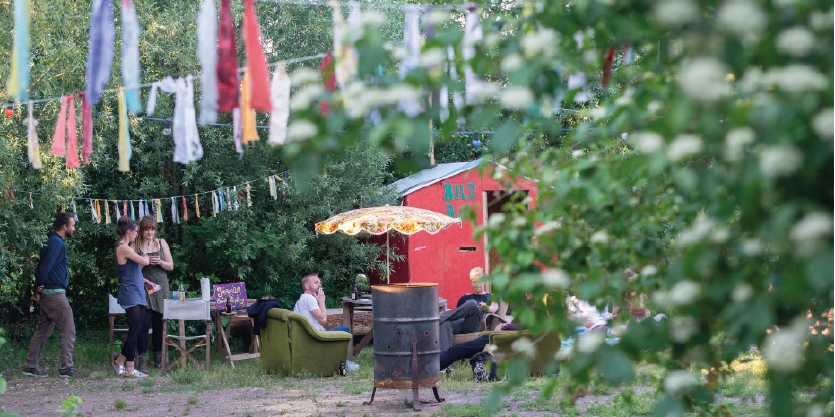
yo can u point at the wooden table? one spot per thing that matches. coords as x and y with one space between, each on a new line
364 304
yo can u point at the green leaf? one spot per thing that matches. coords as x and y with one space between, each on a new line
504 138
616 366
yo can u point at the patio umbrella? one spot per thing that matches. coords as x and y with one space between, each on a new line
379 220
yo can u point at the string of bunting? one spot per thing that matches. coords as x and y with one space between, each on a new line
230 198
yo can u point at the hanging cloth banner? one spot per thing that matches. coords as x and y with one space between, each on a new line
628 53
206 50
472 35
256 63
141 210
100 55
158 211
273 194
185 210
125 207
196 206
33 148
248 196
250 133
86 128
116 207
280 95
147 211
175 217
132 212
74 209
130 56
187 147
227 61
106 213
18 83
235 202
125 151
66 128
98 212
93 211
326 68
215 204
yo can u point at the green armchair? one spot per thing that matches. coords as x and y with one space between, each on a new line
546 347
290 345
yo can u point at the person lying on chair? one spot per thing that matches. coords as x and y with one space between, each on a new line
466 350
466 316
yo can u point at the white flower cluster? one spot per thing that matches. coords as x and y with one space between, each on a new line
432 57
683 293
674 13
589 342
496 220
511 62
597 113
600 237
547 227
697 232
780 161
647 142
679 380
783 350
807 234
681 329
543 42
302 99
794 78
736 141
684 146
516 98
555 278
823 123
742 292
301 129
704 79
525 347
795 41
648 271
742 17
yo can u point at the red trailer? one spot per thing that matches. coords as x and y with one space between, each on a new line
447 257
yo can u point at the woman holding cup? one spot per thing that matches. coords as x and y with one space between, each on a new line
161 262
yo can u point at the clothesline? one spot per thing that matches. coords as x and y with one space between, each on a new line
281 175
240 70
374 5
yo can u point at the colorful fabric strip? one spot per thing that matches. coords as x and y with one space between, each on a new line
206 50
130 56
18 82
125 151
100 55
106 213
86 128
33 148
227 61
280 95
250 133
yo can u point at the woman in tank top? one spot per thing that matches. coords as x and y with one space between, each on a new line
131 296
159 255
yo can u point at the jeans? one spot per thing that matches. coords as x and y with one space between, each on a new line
55 312
345 329
464 350
136 341
461 320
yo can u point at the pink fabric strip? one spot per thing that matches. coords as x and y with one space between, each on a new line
58 138
72 150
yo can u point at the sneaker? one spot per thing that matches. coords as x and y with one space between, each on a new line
136 374
69 373
35 372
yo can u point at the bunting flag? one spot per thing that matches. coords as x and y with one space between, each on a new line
116 207
607 66
187 147
132 212
158 210
237 130
72 133
250 133
256 63
32 207
106 213
326 68
18 83
280 95
33 148
125 151
98 212
58 139
412 41
248 196
196 206
175 217
185 209
214 204
206 50
86 128
130 56
271 181
100 52
472 35
141 210
74 209
66 128
227 61
125 207
235 202
93 210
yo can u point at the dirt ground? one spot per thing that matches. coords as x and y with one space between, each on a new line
41 397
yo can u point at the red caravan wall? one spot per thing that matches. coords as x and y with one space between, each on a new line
438 258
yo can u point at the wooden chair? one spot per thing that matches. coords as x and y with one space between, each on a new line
185 310
118 334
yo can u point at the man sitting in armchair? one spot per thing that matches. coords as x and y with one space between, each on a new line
466 316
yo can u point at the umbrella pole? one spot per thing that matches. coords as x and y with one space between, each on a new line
388 271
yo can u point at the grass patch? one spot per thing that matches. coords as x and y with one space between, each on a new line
146 382
121 405
188 376
127 387
193 400
357 387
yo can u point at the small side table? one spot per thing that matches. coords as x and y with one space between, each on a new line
235 316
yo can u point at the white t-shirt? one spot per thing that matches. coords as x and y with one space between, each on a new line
306 304
590 313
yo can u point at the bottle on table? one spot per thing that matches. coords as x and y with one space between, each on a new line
228 305
182 292
355 293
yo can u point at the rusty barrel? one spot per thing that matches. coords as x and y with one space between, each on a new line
404 313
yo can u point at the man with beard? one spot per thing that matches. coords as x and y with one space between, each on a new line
51 278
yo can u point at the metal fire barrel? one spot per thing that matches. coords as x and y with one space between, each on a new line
406 335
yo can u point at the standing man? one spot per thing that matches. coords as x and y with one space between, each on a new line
51 278
312 305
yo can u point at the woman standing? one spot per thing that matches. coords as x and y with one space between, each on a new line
160 257
131 297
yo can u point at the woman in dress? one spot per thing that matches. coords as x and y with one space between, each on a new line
131 297
160 257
